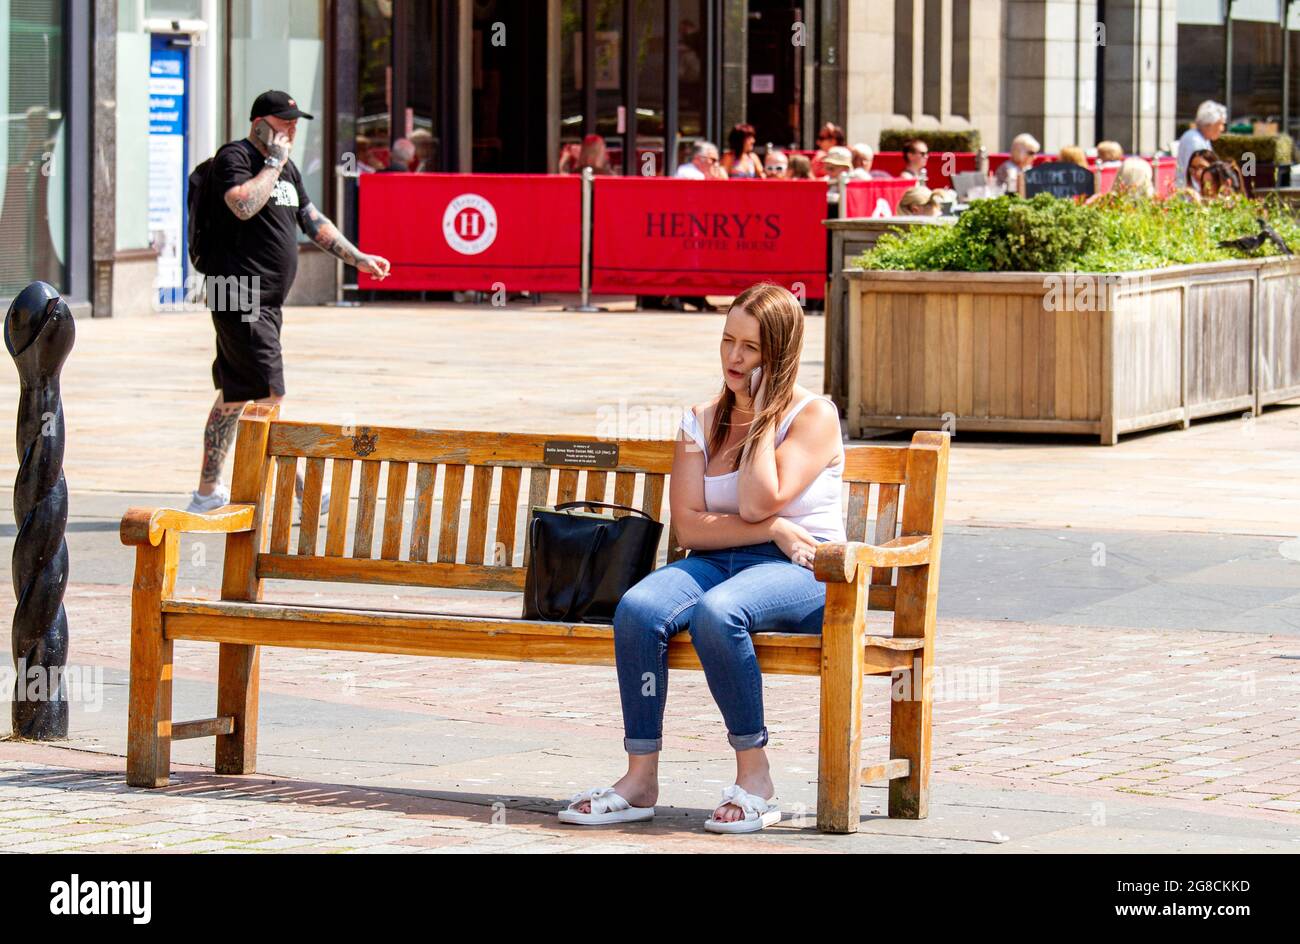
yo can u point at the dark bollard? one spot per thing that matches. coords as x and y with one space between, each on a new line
39 332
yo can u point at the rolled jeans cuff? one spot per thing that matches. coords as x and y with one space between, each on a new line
642 745
747 742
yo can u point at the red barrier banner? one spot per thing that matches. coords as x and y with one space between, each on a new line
1166 174
939 166
663 236
876 198
458 232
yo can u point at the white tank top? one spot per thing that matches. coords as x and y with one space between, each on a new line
818 508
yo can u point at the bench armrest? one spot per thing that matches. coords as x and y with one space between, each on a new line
839 563
147 525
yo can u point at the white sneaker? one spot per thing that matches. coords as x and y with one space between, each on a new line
201 504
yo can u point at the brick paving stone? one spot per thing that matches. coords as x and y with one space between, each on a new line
285 842
47 845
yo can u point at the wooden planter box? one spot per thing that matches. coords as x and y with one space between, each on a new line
850 238
1070 352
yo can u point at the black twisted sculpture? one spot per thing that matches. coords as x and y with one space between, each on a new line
39 332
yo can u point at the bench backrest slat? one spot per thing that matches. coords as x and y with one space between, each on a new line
507 514
367 499
336 523
312 481
394 510
487 550
282 516
426 478
453 488
480 492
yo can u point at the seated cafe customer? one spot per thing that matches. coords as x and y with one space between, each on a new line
921 201
775 163
703 164
800 168
838 160
915 154
1024 148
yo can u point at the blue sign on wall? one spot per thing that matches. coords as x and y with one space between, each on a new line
168 73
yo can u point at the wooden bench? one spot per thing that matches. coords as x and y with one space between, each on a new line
899 488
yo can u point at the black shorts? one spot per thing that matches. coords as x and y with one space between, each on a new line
248 365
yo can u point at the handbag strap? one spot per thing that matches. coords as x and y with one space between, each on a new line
599 504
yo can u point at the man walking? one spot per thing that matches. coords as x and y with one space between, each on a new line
256 204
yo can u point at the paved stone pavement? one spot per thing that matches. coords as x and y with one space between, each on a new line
1119 668
1208 717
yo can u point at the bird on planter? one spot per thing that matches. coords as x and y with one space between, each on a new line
1266 234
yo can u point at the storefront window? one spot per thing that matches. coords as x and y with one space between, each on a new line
692 56
33 145
649 53
374 82
508 75
649 49
279 44
1256 60
422 89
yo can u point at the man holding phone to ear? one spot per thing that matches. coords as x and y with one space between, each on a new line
257 206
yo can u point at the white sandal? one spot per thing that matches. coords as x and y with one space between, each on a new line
606 807
759 813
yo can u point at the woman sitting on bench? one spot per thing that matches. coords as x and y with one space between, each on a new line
755 487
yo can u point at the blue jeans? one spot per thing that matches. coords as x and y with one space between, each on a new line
721 596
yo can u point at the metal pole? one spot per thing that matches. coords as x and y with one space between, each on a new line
842 185
630 64
340 203
1286 67
1227 56
670 86
39 332
588 67
338 210
585 305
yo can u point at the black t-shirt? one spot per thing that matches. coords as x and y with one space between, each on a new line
266 245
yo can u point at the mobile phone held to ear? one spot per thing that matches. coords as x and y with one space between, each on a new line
264 132
755 378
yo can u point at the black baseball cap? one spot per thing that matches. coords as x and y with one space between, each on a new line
278 104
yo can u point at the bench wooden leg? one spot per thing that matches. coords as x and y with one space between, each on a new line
149 714
237 679
909 737
839 751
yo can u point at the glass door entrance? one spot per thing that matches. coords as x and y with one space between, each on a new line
645 90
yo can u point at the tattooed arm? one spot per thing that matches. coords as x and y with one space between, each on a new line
325 234
247 199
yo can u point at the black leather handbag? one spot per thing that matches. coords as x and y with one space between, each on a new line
580 565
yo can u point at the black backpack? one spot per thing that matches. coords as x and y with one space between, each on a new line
204 227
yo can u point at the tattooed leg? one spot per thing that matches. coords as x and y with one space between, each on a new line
217 437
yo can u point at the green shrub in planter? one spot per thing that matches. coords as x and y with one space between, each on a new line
1268 148
961 142
1116 234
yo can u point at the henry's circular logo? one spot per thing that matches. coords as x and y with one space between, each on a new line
469 224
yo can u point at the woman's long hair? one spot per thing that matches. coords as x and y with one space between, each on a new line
1222 179
780 333
737 138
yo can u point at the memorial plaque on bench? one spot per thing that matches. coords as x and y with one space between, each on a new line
1060 179
589 454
